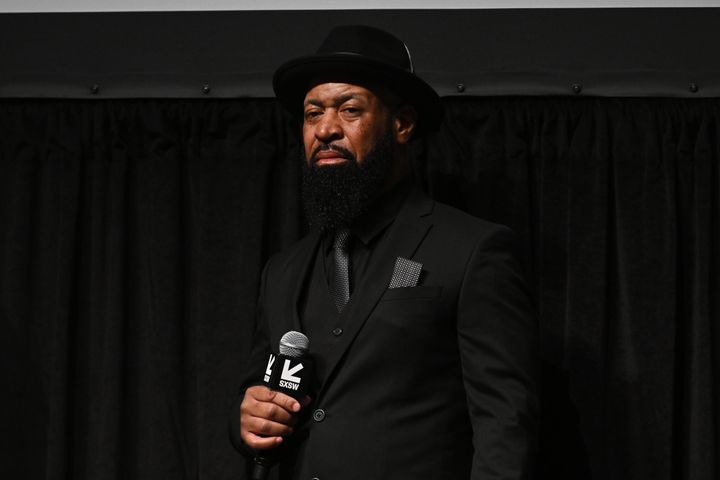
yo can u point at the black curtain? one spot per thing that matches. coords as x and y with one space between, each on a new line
132 233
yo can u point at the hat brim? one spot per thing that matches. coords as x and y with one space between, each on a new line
293 79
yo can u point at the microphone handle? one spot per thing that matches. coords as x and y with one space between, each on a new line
261 468
294 381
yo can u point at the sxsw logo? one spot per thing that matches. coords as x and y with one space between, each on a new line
289 377
268 369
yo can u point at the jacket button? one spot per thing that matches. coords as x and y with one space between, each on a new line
319 415
337 332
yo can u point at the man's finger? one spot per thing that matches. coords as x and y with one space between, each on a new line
264 394
286 402
252 407
274 412
263 426
257 442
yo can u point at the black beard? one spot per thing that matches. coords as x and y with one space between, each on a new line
335 195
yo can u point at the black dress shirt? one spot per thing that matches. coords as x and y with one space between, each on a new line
319 317
366 233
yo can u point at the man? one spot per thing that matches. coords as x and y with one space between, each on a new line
419 321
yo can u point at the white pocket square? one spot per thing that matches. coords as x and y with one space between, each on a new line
406 273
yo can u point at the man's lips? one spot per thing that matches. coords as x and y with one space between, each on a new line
329 157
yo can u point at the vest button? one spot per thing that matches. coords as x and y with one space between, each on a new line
337 332
319 415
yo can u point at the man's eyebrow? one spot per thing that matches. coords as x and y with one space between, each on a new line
338 101
313 101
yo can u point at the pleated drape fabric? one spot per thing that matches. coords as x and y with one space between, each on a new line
133 233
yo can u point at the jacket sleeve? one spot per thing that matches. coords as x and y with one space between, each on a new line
497 336
257 359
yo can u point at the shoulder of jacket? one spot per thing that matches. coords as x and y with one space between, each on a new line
457 222
297 251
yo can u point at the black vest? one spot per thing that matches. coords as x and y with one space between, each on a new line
319 317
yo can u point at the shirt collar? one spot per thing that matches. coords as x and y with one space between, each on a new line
381 213
379 216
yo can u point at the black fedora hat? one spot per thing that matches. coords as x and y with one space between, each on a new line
358 54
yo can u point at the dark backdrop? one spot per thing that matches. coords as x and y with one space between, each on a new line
133 229
132 233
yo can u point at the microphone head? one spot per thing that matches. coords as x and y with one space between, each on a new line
294 344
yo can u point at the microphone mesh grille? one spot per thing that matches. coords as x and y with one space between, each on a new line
294 344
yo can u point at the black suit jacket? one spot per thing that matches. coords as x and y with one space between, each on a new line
436 381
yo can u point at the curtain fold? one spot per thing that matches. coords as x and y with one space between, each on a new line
132 234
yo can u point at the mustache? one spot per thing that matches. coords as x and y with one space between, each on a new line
344 152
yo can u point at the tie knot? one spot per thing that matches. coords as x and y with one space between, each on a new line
341 240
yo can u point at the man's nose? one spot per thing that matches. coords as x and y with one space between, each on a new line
329 128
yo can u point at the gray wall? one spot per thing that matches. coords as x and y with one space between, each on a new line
597 52
180 5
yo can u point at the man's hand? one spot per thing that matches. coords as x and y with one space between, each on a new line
266 416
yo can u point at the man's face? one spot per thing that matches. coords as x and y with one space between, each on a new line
341 123
351 138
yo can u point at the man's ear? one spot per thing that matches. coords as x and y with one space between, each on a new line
404 121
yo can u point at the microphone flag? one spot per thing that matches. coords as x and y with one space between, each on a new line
289 375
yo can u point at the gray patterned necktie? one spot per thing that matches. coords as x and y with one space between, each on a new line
340 285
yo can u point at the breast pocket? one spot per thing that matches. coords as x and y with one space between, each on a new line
410 306
411 292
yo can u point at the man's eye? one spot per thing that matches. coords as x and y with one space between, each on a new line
351 110
312 114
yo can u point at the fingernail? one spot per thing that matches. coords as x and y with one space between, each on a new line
296 407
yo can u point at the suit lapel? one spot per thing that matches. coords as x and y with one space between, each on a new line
405 235
295 271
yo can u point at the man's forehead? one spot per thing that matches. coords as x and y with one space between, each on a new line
347 90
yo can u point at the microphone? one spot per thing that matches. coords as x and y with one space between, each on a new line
289 372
